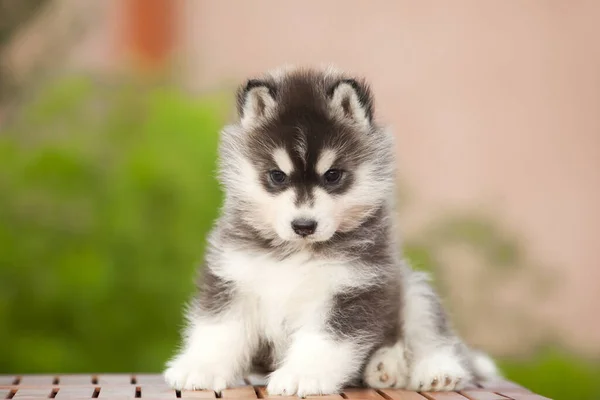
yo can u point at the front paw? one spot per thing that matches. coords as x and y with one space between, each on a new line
440 371
287 382
184 374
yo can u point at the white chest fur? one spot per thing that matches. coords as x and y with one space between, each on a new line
279 296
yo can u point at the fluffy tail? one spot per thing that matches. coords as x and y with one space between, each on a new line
484 367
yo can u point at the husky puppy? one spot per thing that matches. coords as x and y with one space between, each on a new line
303 277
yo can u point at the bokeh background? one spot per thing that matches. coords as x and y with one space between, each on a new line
109 116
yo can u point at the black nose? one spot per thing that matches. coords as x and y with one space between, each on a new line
304 227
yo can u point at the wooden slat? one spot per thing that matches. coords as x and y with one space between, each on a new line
111 392
499 385
79 379
75 392
482 395
198 394
397 394
149 379
36 380
33 393
362 394
6 380
157 391
115 397
4 393
444 396
523 396
244 392
113 379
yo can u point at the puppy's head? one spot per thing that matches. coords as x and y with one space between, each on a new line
306 160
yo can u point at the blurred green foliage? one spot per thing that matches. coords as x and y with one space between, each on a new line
106 195
556 374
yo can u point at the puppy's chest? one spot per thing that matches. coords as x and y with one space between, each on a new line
283 294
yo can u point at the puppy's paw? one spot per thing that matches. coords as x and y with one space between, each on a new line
387 368
184 374
440 371
287 382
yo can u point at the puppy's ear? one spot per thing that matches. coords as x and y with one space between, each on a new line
255 101
352 99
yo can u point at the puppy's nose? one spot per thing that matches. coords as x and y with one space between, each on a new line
304 227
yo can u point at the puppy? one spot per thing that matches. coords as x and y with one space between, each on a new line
303 278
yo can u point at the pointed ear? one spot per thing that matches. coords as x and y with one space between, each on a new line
351 99
255 101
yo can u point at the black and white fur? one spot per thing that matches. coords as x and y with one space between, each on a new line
323 310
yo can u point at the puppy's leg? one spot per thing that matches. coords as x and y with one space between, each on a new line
219 340
329 354
216 354
438 359
316 363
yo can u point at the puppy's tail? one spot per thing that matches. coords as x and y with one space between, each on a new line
484 367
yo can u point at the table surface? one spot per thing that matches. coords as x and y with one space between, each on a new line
152 386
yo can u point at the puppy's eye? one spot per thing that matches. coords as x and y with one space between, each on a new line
332 176
277 177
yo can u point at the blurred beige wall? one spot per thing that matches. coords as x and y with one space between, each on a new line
496 106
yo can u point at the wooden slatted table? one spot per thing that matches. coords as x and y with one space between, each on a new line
148 386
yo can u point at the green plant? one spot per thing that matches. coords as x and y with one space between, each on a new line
556 374
106 195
